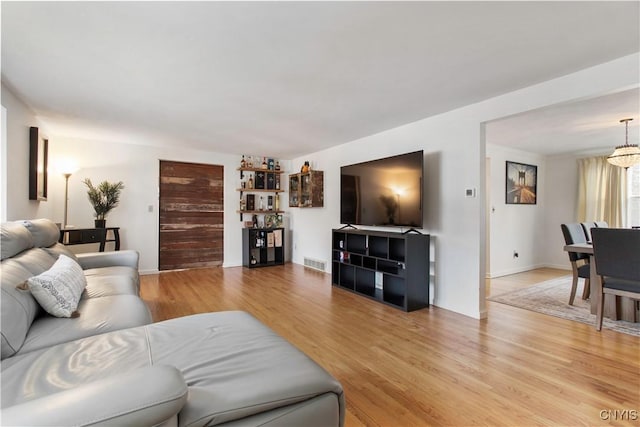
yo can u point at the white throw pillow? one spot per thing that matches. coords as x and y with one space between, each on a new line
58 289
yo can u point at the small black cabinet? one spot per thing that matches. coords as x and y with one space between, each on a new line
391 268
262 247
80 236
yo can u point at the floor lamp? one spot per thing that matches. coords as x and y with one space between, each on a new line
66 167
66 198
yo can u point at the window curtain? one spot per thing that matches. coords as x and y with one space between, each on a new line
602 191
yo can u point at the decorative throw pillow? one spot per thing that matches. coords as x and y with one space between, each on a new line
58 289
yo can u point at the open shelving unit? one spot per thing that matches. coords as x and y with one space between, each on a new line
391 268
266 181
262 247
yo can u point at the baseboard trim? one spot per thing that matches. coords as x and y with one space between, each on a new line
146 272
523 269
493 275
559 267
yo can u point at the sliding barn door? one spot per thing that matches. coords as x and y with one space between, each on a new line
191 215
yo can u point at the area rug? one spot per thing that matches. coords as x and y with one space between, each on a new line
552 297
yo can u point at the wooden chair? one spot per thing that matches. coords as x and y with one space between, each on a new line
573 233
617 257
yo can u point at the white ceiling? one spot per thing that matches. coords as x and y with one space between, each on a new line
287 78
574 127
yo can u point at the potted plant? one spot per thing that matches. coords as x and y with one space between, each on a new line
103 198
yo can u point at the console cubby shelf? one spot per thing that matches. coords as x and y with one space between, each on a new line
391 268
262 247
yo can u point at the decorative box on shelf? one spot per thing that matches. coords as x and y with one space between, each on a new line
306 189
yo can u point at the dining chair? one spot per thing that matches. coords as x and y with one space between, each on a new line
601 224
586 227
574 233
616 253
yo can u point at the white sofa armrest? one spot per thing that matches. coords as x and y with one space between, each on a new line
146 396
128 258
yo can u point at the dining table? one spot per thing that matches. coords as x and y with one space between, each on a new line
616 308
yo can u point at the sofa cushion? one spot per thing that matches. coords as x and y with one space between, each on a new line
97 316
44 232
117 280
114 280
18 308
154 396
58 249
35 260
58 289
14 238
235 366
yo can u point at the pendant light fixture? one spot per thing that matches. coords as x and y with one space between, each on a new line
625 155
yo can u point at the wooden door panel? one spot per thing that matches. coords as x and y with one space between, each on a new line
191 215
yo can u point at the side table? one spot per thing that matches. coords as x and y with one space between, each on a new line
80 236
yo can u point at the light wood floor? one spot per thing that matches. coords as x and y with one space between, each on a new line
432 366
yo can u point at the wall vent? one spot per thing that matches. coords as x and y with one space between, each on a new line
314 263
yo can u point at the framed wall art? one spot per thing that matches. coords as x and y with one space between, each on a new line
521 184
38 153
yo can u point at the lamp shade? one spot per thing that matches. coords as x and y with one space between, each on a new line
625 156
66 166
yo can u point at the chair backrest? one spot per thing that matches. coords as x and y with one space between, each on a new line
586 227
573 233
617 252
601 224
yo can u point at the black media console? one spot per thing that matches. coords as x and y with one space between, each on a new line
392 268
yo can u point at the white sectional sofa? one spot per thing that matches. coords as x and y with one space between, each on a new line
112 366
110 301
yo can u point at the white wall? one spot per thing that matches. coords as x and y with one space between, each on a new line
19 119
534 228
514 227
137 214
136 165
447 148
454 161
455 155
3 162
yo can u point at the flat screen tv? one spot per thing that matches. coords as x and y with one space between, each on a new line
383 192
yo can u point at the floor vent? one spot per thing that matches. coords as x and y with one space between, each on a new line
314 263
